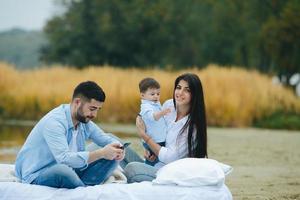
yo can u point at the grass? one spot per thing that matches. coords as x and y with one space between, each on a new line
234 97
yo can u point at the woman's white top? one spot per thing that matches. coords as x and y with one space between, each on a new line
176 142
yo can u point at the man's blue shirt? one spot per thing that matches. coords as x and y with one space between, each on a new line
157 130
48 144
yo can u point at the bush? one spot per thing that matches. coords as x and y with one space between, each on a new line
280 120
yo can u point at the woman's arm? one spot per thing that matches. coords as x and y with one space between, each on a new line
148 140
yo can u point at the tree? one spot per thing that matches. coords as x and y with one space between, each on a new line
261 34
282 39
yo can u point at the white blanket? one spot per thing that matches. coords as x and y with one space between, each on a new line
7 173
12 190
135 191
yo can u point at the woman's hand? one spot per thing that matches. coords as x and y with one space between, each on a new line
149 157
141 128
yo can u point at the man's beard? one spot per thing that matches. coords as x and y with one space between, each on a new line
80 117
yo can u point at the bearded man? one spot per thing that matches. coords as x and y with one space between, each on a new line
54 152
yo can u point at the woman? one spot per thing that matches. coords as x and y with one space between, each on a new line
186 135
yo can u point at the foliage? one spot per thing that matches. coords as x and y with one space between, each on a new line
234 97
282 38
166 33
280 120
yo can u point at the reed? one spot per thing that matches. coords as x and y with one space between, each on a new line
234 96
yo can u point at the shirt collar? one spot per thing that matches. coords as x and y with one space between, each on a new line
150 102
68 115
182 121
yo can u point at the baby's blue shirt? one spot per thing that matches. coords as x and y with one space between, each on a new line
157 130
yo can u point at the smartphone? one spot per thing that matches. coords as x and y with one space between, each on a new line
126 144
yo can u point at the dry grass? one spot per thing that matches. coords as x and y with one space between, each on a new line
234 96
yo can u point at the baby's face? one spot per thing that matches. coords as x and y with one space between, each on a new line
151 94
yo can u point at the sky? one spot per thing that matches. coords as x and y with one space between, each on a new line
26 14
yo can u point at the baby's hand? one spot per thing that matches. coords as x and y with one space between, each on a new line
161 113
166 111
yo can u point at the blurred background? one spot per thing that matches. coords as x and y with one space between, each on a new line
246 53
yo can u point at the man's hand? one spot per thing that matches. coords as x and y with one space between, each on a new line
120 157
113 151
109 152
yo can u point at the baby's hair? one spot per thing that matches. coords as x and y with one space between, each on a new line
147 83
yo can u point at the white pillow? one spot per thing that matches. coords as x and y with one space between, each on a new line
193 172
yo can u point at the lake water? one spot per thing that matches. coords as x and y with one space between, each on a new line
11 140
12 137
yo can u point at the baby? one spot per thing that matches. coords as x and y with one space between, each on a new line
152 113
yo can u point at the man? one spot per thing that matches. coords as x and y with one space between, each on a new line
54 152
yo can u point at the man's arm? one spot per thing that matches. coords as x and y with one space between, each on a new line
54 134
111 145
98 136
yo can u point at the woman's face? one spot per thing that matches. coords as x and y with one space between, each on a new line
182 93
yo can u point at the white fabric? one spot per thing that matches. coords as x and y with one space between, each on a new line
7 173
135 191
176 147
193 172
227 169
146 190
117 176
73 144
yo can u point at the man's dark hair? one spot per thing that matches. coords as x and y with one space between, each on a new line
89 90
147 83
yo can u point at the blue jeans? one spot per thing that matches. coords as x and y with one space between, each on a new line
138 172
135 169
146 146
63 176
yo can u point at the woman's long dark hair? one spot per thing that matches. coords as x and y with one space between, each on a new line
197 146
